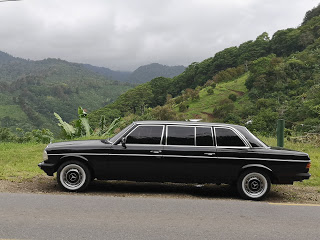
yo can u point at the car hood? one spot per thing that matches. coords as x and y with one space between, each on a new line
75 146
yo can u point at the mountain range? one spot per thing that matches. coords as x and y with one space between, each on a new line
142 74
31 91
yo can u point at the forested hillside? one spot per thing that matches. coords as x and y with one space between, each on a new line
31 91
255 83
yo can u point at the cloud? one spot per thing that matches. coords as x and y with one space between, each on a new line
124 34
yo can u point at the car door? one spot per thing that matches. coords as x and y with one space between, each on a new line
232 151
189 154
138 160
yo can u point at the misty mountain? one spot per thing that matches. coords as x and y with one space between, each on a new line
122 76
142 74
148 72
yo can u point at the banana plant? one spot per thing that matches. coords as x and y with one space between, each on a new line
67 129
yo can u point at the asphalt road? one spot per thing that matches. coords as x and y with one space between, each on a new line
48 216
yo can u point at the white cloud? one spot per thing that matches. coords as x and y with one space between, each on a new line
124 34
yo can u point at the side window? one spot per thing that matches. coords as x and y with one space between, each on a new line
180 135
145 135
226 137
204 136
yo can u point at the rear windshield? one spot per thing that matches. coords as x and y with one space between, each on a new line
253 140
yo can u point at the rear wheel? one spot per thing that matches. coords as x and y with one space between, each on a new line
253 184
73 176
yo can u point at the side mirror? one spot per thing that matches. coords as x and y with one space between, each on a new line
123 142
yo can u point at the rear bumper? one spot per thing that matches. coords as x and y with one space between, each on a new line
48 168
302 176
290 179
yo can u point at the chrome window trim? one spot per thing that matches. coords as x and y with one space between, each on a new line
242 138
232 147
263 145
146 125
133 124
190 146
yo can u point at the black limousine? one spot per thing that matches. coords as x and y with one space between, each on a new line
179 152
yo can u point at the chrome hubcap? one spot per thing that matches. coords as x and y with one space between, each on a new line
254 185
72 176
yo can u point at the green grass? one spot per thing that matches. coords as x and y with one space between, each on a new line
206 103
18 162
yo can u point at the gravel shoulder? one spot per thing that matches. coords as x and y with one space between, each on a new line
278 194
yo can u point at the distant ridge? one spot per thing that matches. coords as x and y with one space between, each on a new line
122 76
148 72
142 74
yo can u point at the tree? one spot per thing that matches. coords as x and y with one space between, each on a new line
311 14
160 88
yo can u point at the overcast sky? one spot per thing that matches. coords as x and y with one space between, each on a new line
125 34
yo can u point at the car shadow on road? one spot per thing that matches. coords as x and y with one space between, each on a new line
173 190
138 189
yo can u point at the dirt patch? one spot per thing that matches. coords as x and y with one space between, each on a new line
278 193
239 93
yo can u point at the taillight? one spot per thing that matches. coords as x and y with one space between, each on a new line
308 165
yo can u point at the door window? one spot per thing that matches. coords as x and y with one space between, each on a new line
180 135
145 135
227 137
204 136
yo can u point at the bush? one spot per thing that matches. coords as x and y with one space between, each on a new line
183 106
210 91
233 97
224 108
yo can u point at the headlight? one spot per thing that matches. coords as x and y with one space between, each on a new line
45 155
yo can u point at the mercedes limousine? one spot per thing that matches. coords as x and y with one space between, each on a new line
179 152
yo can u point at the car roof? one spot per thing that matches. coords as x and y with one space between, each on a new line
189 123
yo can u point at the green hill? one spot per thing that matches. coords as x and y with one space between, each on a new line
30 91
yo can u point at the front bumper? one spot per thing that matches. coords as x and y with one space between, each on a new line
48 168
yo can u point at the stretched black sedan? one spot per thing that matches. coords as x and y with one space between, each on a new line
181 152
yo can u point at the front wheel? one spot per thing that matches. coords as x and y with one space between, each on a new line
253 184
73 176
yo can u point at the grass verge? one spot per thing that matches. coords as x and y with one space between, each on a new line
18 162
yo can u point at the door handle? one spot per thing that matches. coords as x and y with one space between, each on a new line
156 151
210 154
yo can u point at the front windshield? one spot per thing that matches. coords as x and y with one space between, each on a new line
117 136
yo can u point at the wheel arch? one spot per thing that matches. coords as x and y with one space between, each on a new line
260 167
79 158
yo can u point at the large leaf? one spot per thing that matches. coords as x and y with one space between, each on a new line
83 122
67 128
111 127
